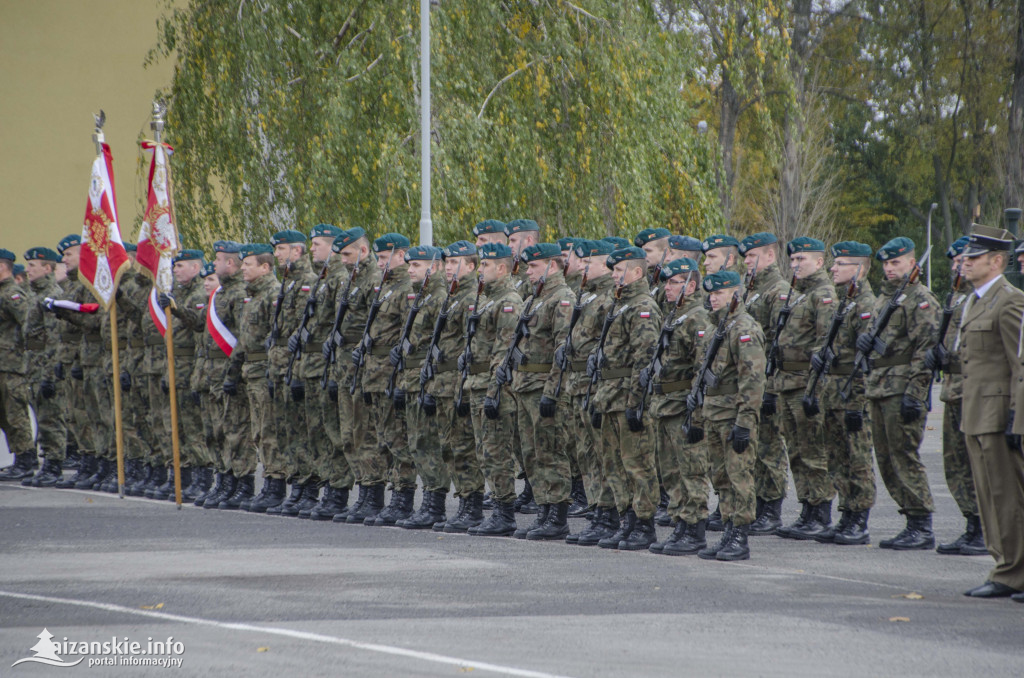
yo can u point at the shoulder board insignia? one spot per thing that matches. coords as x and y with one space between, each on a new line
923 305
645 314
507 309
654 291
865 316
754 298
744 338
410 296
827 300
565 303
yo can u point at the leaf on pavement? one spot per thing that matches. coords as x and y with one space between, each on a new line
899 619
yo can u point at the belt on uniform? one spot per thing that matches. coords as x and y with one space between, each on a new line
578 366
479 368
891 361
664 387
35 344
255 356
795 366
728 389
352 340
154 341
380 350
842 370
446 366
136 343
185 351
93 336
617 373
535 367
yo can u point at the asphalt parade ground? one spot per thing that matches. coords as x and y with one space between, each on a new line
248 595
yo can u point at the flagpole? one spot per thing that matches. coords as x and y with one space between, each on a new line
157 125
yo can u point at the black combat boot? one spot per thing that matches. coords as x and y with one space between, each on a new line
625 528
333 505
273 495
501 522
157 479
805 515
710 552
24 466
555 525
642 536
168 486
439 526
215 483
400 508
714 522
578 494
355 508
692 542
226 488
372 505
71 457
604 527
524 502
472 516
137 487
915 536
829 535
431 511
49 473
736 548
201 477
86 467
109 483
972 536
592 519
817 523
542 516
289 503
769 519
489 503
310 498
855 531
676 535
267 485
661 516
99 473
244 489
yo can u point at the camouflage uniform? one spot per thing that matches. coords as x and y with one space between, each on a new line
90 391
135 399
69 391
570 426
15 420
634 331
545 462
132 443
41 344
909 335
189 321
955 461
154 370
251 361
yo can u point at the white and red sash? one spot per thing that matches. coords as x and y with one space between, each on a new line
156 313
217 329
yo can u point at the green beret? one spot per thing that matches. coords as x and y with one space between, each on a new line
189 255
593 248
495 250
489 226
346 238
227 247
130 247
287 237
207 270
954 249
804 244
850 248
41 254
423 253
255 248
757 240
684 243
716 241
567 243
721 280
677 266
459 248
520 226
983 239
391 241
19 269
625 254
649 235
617 242
69 241
543 250
896 247
7 254
325 231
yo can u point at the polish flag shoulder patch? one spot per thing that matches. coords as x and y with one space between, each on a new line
472 308
411 296
923 305
306 288
274 303
15 296
700 334
827 300
744 338
246 300
565 303
783 297
865 316
507 309
200 307
377 288
645 314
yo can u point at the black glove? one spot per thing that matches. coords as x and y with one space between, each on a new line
164 386
864 343
196 398
426 372
592 366
126 381
332 390
817 364
490 408
298 391
810 405
77 373
270 388
910 409
854 420
460 362
547 407
462 407
47 389
395 356
561 361
692 402
327 350
740 438
367 398
644 379
428 404
1013 440
230 387
633 420
398 397
293 343
502 375
936 358
595 420
769 404
58 371
164 301
694 435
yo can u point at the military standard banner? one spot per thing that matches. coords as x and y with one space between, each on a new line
103 257
158 237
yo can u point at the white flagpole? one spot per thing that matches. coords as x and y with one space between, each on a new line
426 225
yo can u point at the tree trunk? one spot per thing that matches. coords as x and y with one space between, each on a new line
726 176
790 186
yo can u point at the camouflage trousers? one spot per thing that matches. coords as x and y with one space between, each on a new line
545 461
99 397
808 457
613 478
955 461
460 444
83 420
359 439
425 443
588 446
159 402
684 470
899 462
135 408
494 445
325 433
771 467
209 415
393 442
849 461
191 440
51 426
15 419
291 429
263 430
732 475
635 455
232 432
570 435
134 447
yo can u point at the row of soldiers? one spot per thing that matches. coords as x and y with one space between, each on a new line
613 376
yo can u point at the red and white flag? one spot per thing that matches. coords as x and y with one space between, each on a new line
222 336
158 315
103 258
74 306
158 237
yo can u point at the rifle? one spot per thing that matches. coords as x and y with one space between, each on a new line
860 359
307 314
403 341
749 282
275 328
827 354
947 317
577 311
705 377
365 342
608 320
339 316
472 321
655 367
773 362
656 271
433 352
514 355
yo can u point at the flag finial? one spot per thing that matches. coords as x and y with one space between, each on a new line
97 136
157 125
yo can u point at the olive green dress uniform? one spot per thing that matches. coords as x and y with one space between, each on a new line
15 420
189 322
42 345
956 462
